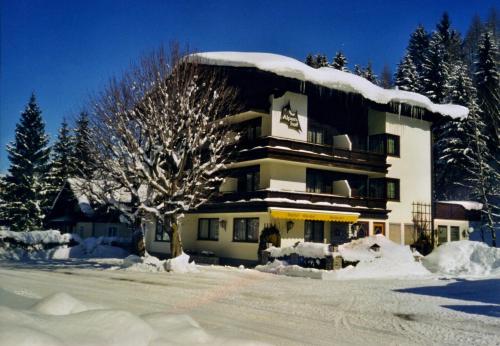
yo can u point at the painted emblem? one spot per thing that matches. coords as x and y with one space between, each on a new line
291 118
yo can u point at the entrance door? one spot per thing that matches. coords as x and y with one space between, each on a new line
379 228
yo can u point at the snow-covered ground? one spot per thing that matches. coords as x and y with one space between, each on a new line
85 301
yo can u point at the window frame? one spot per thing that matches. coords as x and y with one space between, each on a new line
159 226
381 141
247 222
397 190
210 221
457 230
439 229
383 184
397 147
313 224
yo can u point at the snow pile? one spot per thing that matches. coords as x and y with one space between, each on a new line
326 77
89 248
304 249
61 319
39 237
147 263
180 264
464 257
150 263
391 261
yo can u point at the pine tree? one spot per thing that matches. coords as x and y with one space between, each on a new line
386 78
83 158
357 70
471 42
62 166
450 40
340 62
488 89
369 74
435 71
417 47
25 181
310 60
321 61
406 77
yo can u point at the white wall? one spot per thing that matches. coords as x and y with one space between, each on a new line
283 176
298 103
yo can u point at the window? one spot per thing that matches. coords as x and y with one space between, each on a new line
393 189
384 189
253 131
442 234
112 232
316 135
454 233
385 144
313 231
246 230
318 181
249 181
392 145
208 229
161 232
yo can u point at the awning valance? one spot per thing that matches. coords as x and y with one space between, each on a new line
307 214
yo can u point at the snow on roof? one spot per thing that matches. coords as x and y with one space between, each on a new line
468 205
77 186
326 77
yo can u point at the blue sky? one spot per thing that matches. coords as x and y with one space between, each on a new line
64 50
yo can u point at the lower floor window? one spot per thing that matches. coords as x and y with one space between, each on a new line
246 229
314 231
208 229
454 233
161 232
112 232
442 234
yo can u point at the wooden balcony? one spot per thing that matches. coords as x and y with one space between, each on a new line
326 155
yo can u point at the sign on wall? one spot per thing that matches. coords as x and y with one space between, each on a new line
291 118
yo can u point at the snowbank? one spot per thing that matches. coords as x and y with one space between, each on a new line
465 257
468 205
304 249
326 77
61 319
391 261
40 237
150 263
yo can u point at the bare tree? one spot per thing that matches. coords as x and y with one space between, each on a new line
160 137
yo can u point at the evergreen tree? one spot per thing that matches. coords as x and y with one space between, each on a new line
417 48
62 166
357 70
471 42
25 182
321 60
450 39
488 89
340 62
310 60
83 158
369 74
406 77
386 78
493 24
435 71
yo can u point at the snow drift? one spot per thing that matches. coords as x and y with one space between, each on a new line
150 263
465 257
391 261
61 319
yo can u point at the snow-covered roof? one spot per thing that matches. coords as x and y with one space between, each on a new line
326 77
468 205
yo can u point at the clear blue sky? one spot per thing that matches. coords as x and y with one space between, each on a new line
63 50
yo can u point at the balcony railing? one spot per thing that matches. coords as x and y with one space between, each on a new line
301 198
315 153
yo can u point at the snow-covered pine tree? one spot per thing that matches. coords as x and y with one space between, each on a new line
450 40
369 74
24 193
471 42
417 48
386 80
340 62
406 77
62 164
82 159
488 88
310 60
435 71
358 71
160 137
321 60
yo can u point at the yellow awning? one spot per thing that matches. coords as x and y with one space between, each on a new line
305 214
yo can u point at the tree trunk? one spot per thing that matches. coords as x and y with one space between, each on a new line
138 240
175 237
